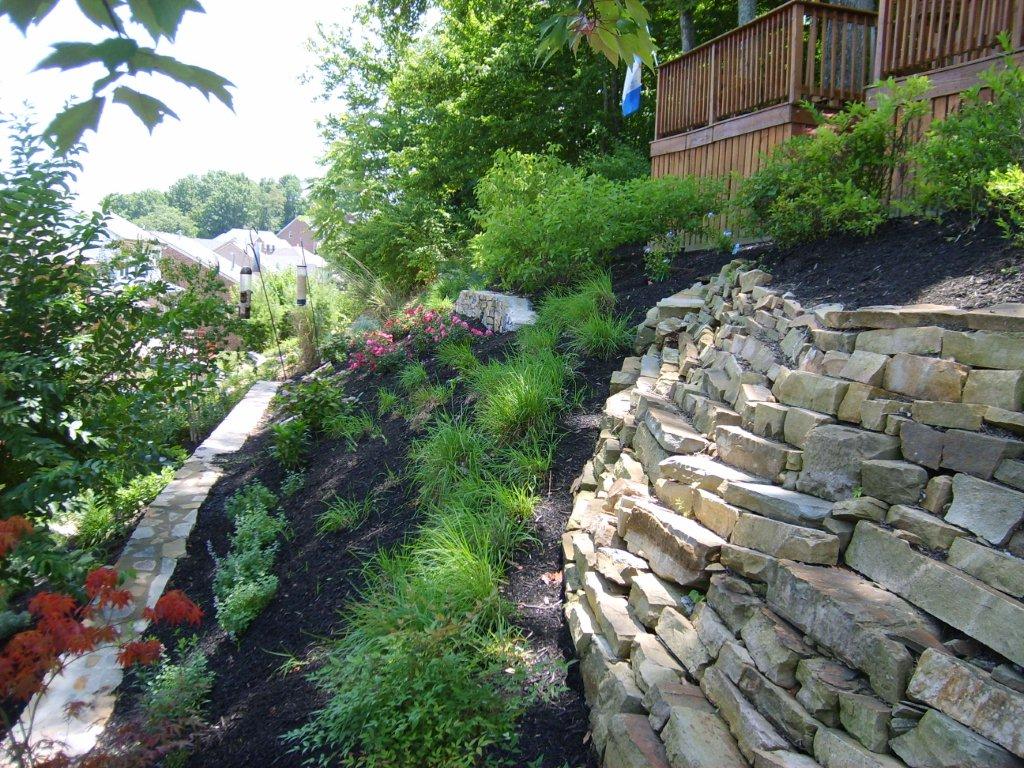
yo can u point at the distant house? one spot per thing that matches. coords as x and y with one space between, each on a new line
275 253
298 233
192 250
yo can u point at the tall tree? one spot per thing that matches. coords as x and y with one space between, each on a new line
134 205
294 197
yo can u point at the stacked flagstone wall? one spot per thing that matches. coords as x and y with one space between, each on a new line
499 312
799 540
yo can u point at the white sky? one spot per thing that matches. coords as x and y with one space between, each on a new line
259 45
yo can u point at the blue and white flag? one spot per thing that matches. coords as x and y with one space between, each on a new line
631 88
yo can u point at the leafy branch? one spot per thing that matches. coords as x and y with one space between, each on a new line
617 29
122 57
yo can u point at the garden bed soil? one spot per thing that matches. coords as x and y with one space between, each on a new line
907 261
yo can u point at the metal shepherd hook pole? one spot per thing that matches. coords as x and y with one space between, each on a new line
302 288
266 297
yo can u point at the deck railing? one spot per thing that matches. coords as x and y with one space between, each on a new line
922 35
800 50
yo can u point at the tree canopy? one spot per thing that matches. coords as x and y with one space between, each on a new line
212 203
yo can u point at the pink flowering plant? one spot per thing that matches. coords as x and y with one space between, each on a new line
411 333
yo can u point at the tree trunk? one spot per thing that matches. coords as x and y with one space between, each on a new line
687 33
747 11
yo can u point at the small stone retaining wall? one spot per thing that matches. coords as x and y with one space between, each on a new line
498 312
799 540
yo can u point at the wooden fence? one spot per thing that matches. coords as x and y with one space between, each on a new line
923 35
801 50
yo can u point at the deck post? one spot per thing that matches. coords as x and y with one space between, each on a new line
712 84
796 49
882 38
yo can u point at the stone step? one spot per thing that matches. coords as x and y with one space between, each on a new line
778 503
612 616
707 472
940 740
961 601
672 431
833 455
810 391
970 696
696 738
749 727
783 540
649 596
760 456
856 620
632 743
677 548
836 749
997 569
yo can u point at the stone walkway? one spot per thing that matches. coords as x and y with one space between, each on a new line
152 553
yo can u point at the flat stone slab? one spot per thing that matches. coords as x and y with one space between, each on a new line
500 312
858 620
778 503
677 548
710 474
970 696
971 606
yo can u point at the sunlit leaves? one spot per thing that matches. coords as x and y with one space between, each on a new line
149 110
617 29
121 56
68 127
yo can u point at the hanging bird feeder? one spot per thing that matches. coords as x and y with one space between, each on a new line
245 293
301 284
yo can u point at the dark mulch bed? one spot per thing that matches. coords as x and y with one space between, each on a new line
908 261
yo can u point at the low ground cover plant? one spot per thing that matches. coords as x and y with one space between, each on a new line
542 220
343 514
244 582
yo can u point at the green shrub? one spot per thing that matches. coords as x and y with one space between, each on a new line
412 377
601 336
521 396
293 483
954 162
451 450
177 691
343 514
351 427
542 220
838 179
457 355
658 255
1006 196
316 402
246 600
289 441
387 401
243 583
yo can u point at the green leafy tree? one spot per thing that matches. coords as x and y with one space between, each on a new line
271 202
294 197
96 375
229 200
134 205
186 194
166 218
122 56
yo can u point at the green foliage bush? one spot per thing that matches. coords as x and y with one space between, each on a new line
243 584
519 397
1005 191
177 692
954 162
542 220
838 179
289 441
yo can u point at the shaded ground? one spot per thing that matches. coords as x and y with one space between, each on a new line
907 261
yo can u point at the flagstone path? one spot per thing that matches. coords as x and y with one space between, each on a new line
150 555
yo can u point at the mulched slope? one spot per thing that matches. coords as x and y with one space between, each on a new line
907 261
254 704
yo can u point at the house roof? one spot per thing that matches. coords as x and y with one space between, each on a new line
195 249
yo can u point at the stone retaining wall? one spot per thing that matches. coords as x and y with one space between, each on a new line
499 312
799 540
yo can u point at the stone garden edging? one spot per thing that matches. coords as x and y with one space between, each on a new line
844 487
151 554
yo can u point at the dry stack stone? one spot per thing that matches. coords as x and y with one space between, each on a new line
799 542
